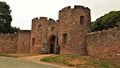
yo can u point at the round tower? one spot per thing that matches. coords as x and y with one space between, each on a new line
74 25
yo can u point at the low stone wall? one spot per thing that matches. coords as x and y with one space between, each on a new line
104 45
23 41
8 43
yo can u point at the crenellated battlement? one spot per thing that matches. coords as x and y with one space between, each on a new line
40 18
51 20
75 7
43 18
80 7
65 9
34 19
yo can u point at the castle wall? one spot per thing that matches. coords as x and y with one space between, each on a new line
104 45
8 43
23 41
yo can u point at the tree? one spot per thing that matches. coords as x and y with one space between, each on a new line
5 19
107 21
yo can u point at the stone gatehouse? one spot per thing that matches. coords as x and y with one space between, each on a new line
66 35
70 34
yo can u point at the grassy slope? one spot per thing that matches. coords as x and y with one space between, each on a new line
79 61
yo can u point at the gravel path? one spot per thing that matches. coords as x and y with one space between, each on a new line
6 62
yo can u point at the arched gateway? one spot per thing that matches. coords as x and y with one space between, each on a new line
53 46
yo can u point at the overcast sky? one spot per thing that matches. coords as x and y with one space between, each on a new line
23 11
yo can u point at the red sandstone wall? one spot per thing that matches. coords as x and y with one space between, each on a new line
105 45
23 41
8 43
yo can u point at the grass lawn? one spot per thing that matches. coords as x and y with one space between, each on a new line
79 61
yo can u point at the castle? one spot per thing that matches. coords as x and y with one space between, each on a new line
70 34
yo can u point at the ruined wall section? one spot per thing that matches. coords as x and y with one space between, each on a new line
8 43
23 41
69 19
104 44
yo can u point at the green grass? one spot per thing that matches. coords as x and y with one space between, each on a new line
59 59
79 61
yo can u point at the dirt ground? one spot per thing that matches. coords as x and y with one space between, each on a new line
37 58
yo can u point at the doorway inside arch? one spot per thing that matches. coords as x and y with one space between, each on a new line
52 45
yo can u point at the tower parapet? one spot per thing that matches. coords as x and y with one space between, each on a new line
34 19
75 7
80 7
51 21
43 18
65 9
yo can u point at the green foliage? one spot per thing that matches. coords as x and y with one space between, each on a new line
5 19
107 21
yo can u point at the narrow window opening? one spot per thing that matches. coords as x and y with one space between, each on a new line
64 38
33 41
81 19
40 28
52 29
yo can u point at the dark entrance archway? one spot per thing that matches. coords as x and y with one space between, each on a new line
52 45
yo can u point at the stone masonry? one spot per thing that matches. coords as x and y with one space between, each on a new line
104 44
67 33
15 43
8 43
70 34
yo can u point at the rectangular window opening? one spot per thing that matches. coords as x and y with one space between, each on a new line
65 38
33 41
81 19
